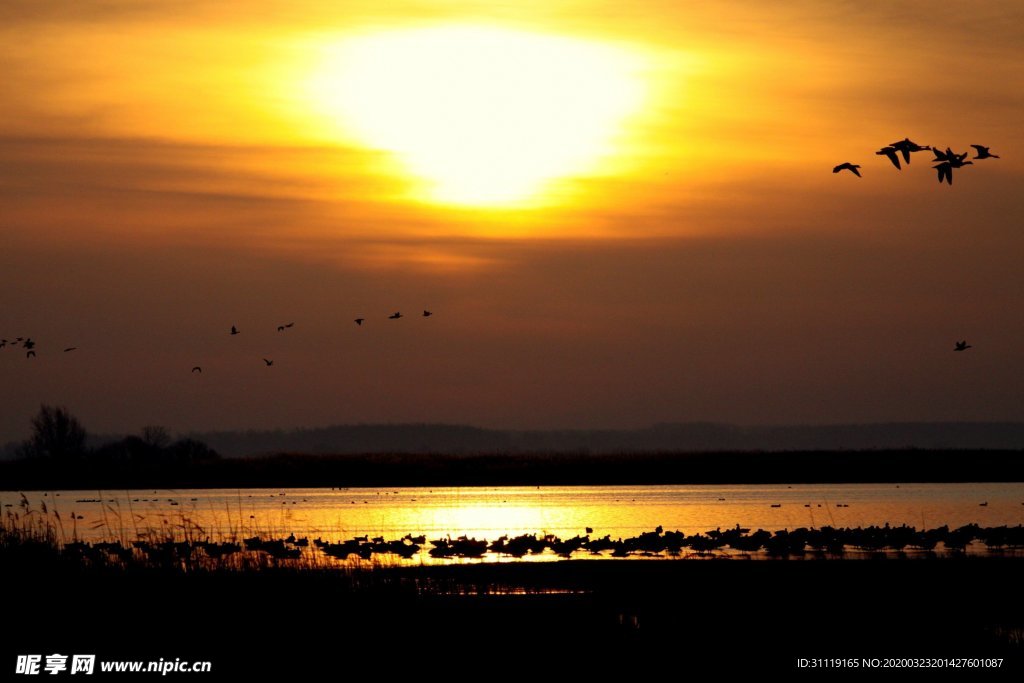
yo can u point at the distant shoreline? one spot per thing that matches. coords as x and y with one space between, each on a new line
518 469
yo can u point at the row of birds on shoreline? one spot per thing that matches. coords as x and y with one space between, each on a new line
947 160
28 344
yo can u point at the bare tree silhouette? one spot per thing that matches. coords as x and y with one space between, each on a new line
56 433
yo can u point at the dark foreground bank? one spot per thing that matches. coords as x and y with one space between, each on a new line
681 617
511 469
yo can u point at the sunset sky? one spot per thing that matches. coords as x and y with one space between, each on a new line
619 214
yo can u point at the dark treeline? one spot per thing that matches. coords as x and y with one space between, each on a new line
670 437
59 451
404 469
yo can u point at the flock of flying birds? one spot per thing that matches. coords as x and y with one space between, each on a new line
947 160
29 345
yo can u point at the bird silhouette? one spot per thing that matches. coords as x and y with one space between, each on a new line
3 343
30 354
395 316
427 314
197 369
28 343
359 321
282 328
70 348
945 169
890 152
268 362
983 152
234 330
949 155
962 346
906 146
847 166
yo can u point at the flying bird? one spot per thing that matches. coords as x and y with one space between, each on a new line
906 146
234 330
427 314
945 169
949 155
28 343
891 153
983 152
395 316
268 362
70 348
30 354
359 321
945 172
282 328
852 168
962 346
197 369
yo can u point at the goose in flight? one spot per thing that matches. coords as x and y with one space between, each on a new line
234 330
945 169
70 348
962 346
906 146
852 168
890 152
983 152
28 344
395 316
30 354
268 362
282 328
427 314
950 156
359 321
197 369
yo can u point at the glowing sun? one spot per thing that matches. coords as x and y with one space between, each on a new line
481 116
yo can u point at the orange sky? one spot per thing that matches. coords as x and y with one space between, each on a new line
171 169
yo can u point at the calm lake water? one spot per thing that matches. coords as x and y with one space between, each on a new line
489 512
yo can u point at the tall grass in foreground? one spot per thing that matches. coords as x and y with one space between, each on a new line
34 534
